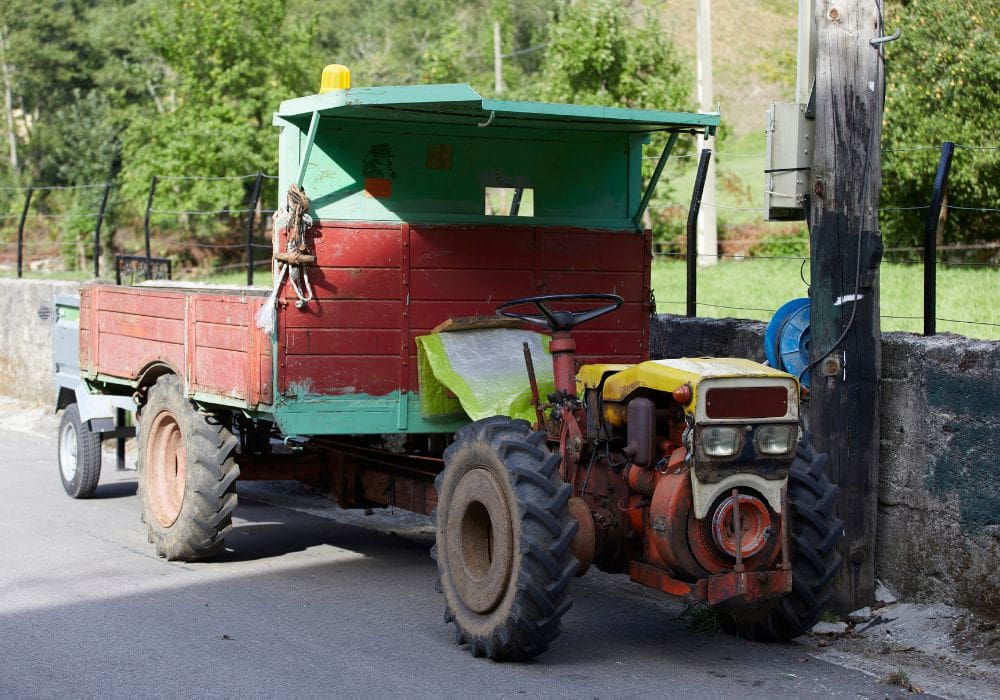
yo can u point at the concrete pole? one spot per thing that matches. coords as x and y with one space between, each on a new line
707 226
8 102
497 60
805 54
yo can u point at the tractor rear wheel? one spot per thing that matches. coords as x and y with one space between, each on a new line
814 534
186 473
504 545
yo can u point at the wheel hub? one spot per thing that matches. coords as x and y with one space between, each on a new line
166 462
754 521
479 540
68 446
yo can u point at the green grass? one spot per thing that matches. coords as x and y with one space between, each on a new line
754 288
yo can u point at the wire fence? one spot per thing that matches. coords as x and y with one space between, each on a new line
250 241
256 250
931 256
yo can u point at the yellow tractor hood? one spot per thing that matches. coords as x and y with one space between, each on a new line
667 375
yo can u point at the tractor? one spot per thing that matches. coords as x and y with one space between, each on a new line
424 344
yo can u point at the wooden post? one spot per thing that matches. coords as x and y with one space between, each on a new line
846 249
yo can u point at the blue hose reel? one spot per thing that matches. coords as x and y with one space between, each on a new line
786 340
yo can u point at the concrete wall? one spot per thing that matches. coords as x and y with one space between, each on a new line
939 497
939 480
26 339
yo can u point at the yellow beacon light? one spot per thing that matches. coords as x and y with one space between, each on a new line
335 77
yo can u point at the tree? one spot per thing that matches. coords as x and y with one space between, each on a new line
599 55
941 86
224 67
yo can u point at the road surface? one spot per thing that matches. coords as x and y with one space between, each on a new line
310 601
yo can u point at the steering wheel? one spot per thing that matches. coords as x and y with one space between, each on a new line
560 320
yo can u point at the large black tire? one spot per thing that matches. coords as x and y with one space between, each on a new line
187 475
79 455
504 539
815 561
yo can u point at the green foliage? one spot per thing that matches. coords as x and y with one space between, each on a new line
941 86
790 243
225 67
598 55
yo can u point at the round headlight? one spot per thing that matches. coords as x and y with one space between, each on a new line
775 439
720 441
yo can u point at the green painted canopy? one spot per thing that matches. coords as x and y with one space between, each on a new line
445 154
460 104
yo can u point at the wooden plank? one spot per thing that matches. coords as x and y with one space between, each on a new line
592 250
332 376
340 341
222 372
122 356
608 343
213 335
625 284
356 246
161 330
336 313
355 283
465 248
470 285
222 310
141 303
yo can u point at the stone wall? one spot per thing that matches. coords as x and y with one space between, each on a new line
938 533
26 337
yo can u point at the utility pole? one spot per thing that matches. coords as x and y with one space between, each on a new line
8 102
497 60
846 250
707 224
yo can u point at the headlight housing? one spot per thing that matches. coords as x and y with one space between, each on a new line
720 441
775 440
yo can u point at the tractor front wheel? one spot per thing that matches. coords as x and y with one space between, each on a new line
815 560
187 475
504 539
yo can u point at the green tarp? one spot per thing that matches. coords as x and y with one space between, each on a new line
482 372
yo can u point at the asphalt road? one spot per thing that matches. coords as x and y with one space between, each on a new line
310 601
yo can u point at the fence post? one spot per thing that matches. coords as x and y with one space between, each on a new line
692 232
254 198
97 231
20 229
145 226
930 238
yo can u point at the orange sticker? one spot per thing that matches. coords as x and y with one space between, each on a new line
378 187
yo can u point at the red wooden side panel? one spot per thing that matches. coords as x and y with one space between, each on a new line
208 338
379 286
347 341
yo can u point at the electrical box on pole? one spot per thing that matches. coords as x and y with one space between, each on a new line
787 161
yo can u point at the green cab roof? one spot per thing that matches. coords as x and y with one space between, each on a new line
460 104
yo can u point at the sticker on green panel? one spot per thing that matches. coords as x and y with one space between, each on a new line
482 372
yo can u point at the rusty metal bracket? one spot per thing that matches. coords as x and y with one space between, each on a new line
886 39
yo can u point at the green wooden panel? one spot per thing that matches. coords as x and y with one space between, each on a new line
430 172
358 415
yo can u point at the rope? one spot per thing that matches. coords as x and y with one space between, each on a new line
292 263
